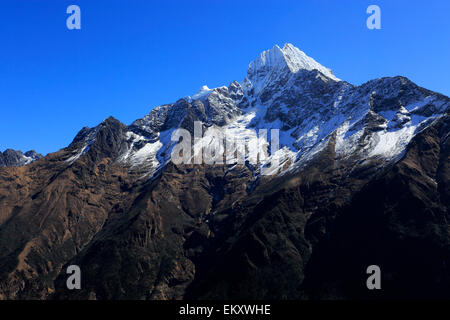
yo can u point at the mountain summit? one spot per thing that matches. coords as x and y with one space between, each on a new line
362 179
16 158
277 59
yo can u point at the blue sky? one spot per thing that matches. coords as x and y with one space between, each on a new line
132 55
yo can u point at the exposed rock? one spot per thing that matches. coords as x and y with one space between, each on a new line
13 158
363 179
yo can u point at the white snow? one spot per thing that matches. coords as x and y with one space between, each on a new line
297 60
389 144
147 153
290 56
202 93
75 157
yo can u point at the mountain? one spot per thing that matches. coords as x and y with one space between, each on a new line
360 178
13 158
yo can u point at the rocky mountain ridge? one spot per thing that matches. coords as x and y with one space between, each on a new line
287 90
362 179
14 158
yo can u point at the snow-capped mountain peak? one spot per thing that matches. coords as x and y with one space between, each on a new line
297 60
203 92
286 90
289 56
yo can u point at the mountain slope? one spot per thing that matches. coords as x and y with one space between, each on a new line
362 179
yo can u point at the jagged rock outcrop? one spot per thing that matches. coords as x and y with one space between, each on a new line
15 158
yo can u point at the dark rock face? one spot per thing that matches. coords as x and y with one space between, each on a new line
13 158
400 219
141 227
197 233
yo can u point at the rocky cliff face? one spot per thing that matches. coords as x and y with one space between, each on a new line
362 179
13 158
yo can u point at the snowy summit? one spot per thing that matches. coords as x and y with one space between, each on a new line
289 56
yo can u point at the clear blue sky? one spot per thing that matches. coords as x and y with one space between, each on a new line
132 55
